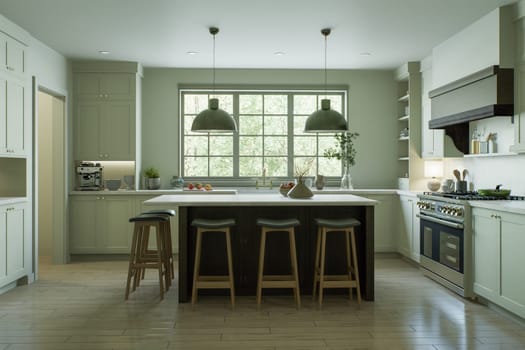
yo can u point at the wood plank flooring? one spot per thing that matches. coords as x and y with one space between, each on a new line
81 306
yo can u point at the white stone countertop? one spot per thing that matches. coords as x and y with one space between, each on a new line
241 190
250 199
517 207
12 200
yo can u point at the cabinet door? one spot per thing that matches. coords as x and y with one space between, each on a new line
117 131
486 239
15 241
87 86
415 233
115 236
3 115
3 247
87 133
118 86
512 262
15 56
405 226
3 52
84 223
15 138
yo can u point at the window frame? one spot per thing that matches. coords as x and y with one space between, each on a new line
235 179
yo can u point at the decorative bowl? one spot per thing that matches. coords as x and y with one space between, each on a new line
284 191
113 185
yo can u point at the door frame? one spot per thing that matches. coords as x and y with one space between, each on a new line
60 251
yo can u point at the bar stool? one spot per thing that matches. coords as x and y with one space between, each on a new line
212 282
278 281
166 229
141 258
336 281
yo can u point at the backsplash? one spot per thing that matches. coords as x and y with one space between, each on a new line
487 172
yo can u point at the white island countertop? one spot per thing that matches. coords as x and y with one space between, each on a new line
250 199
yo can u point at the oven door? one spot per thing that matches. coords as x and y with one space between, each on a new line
442 241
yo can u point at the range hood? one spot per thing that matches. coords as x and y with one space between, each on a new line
484 94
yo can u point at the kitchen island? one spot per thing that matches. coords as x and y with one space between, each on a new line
245 209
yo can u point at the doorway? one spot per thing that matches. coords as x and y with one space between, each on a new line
51 179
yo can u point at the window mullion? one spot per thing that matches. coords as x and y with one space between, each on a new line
236 158
291 136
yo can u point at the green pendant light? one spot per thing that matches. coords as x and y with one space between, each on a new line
214 119
325 119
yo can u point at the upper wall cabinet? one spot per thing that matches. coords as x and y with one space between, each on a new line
519 93
12 55
107 86
106 112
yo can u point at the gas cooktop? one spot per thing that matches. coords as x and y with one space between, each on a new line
472 196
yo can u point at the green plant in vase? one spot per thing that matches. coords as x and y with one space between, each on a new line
345 152
152 178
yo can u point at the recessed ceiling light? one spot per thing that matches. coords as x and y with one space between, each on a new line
365 54
191 52
104 52
279 53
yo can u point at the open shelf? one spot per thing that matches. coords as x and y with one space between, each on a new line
403 98
403 118
482 155
403 138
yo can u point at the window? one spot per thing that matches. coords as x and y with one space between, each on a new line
270 135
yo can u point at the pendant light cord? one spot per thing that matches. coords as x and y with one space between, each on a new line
213 64
325 72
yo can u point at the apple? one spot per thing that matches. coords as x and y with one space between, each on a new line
208 187
190 186
198 186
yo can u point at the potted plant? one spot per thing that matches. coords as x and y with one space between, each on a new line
346 154
152 178
300 190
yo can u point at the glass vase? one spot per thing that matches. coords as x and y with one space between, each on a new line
346 179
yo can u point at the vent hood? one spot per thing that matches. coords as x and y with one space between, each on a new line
484 94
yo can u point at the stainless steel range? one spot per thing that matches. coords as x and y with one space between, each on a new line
446 238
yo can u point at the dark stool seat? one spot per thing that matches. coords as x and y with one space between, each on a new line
169 212
278 281
213 282
142 258
349 280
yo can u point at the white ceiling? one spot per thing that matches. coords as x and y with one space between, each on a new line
159 33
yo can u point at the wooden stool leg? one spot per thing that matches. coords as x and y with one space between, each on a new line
163 247
196 267
321 271
131 267
348 260
170 250
139 254
316 267
160 260
261 266
230 266
356 270
293 259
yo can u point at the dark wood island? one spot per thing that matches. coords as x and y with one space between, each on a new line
245 209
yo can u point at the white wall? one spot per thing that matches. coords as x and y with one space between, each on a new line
371 109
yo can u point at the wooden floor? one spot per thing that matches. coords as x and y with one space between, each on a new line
81 306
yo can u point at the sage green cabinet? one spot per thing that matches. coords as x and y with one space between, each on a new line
13 250
408 228
498 240
105 86
106 96
13 93
105 130
100 224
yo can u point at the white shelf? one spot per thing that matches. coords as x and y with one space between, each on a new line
483 155
405 117
403 98
403 138
403 158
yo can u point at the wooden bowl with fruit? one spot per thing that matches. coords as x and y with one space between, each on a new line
285 187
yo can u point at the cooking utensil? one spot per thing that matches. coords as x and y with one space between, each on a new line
465 174
498 192
457 174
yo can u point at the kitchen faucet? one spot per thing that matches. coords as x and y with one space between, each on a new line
263 181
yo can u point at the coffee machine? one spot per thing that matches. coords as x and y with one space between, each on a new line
89 176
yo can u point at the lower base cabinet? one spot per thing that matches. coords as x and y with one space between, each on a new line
408 227
499 238
100 224
13 249
385 233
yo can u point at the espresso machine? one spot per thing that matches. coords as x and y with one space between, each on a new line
89 177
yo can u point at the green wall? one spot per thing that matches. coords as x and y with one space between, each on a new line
371 108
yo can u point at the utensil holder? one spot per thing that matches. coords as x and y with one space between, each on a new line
461 186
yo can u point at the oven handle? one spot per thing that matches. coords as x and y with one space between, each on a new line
440 221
